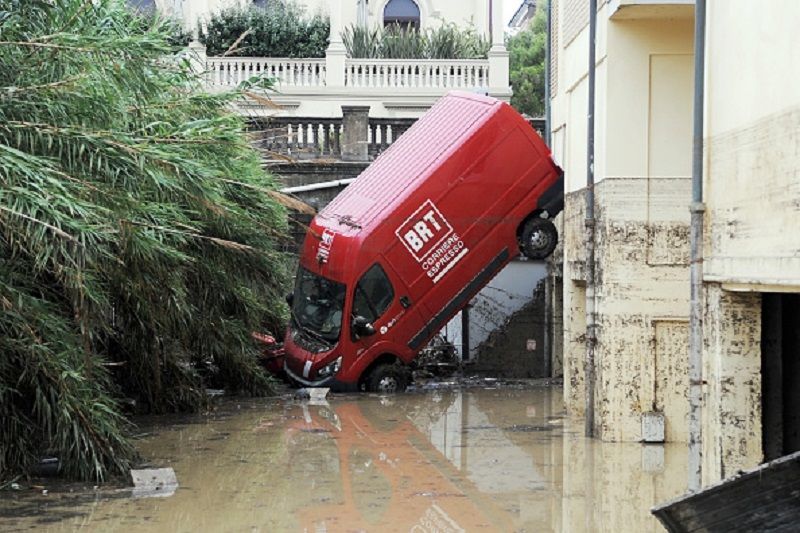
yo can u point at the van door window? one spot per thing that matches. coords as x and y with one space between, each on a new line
373 294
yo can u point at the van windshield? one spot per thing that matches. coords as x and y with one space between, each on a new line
317 306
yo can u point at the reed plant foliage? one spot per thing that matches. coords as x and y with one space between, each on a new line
279 29
395 42
139 237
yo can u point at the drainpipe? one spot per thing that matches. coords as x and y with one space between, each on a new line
547 74
591 327
548 289
697 210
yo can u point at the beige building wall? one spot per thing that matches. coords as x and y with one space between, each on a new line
752 220
642 189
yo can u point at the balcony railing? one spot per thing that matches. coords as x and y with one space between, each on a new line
416 74
304 138
231 71
436 75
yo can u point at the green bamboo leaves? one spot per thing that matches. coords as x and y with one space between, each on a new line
139 239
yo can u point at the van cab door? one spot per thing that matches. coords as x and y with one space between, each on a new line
380 298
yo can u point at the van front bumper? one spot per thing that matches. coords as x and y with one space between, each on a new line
330 381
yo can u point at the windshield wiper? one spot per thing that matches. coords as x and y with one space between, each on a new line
307 330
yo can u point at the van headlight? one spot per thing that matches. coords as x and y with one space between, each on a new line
331 368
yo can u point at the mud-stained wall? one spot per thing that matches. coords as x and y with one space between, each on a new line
574 293
732 371
642 302
752 186
753 202
555 277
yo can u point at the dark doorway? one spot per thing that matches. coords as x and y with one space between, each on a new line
780 374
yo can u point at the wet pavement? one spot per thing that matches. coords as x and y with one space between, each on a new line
445 460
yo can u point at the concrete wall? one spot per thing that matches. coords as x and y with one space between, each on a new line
642 176
510 290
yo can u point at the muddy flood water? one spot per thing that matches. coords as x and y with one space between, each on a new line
478 459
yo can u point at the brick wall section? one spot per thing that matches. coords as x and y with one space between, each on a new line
554 18
576 17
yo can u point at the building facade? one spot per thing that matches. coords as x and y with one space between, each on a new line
392 88
751 268
423 13
642 176
751 249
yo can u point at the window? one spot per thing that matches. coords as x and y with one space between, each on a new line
404 13
373 294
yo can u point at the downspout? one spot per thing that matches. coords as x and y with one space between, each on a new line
697 210
548 286
548 57
591 328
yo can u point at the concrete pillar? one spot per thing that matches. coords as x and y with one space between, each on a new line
498 55
731 439
336 54
355 127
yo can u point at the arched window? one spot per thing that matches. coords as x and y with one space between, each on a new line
402 12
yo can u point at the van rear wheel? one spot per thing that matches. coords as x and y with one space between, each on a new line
387 379
539 238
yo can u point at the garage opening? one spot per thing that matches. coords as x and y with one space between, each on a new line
780 374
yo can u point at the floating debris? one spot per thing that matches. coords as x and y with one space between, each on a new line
154 482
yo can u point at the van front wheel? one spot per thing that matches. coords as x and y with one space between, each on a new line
539 238
387 379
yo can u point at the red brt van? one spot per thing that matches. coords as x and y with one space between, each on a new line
429 223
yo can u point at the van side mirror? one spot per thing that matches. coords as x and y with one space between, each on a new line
362 327
290 298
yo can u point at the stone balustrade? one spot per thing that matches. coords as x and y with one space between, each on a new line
436 75
382 132
231 71
416 74
304 138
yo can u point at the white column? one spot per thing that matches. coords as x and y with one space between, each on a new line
498 55
197 57
336 53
